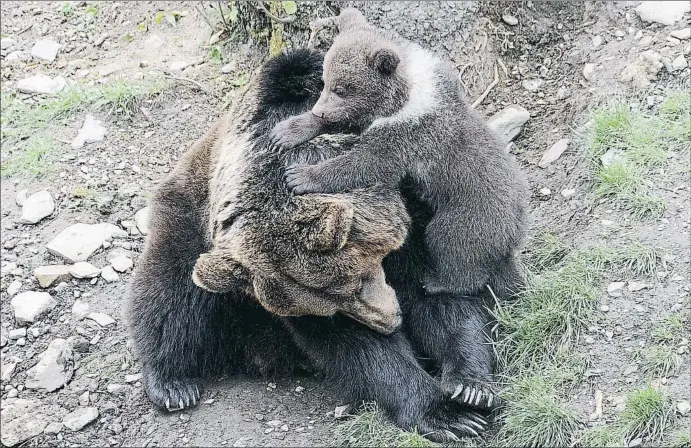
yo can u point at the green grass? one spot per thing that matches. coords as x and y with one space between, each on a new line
682 441
35 160
648 415
669 329
547 250
644 141
659 361
371 428
535 416
82 192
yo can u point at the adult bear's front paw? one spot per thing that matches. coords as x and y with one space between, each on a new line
475 394
300 179
450 421
172 395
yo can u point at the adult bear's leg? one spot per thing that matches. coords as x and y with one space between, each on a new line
454 331
366 366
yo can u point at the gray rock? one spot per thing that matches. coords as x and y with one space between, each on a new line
45 50
48 275
82 269
30 305
532 85
80 309
554 152
21 420
643 70
229 67
53 428
7 42
614 288
54 370
679 63
79 418
683 34
664 12
79 241
129 379
568 192
121 263
109 274
645 41
142 219
7 370
92 131
21 197
509 19
102 319
41 84
17 333
597 41
684 407
153 43
589 71
3 338
36 207
508 123
16 56
84 399
14 287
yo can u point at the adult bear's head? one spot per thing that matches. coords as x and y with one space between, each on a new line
327 260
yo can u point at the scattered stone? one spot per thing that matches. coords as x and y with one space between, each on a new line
679 63
79 241
101 318
597 41
241 442
82 270
597 415
30 305
643 70
129 379
21 197
607 222
14 287
7 370
142 219
22 420
229 67
36 207
108 69
16 333
178 66
612 156
589 71
508 123
102 38
299 389
683 34
109 274
341 411
589 340
604 308
568 193
509 19
554 152
84 399
91 131
6 43
104 204
637 286
545 191
630 369
614 289
80 309
664 12
45 50
48 275
639 308
41 84
533 84
55 368
79 418
53 428
683 407
114 388
121 263
645 41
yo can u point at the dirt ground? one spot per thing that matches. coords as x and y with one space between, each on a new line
108 181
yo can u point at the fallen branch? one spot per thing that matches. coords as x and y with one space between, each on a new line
191 81
489 89
289 19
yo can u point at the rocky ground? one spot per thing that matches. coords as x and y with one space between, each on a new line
100 98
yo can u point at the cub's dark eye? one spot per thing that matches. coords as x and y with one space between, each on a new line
338 90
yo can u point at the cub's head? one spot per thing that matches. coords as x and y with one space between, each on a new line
362 79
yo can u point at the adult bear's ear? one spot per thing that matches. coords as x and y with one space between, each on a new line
218 272
385 60
322 223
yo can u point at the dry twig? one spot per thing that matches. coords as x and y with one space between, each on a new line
191 81
489 89
289 19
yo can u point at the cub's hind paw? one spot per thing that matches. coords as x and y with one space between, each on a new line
172 395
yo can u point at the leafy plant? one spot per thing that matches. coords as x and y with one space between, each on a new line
290 7
216 53
171 17
67 8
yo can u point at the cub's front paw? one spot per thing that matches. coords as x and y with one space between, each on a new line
289 133
300 179
172 395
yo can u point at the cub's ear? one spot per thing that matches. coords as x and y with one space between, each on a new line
218 272
385 60
322 223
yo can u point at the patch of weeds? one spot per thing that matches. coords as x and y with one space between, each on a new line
67 8
371 428
641 141
171 17
91 10
634 258
604 436
125 97
546 251
534 416
82 192
682 441
215 54
669 329
660 360
35 160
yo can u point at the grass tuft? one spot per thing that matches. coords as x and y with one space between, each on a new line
660 360
33 161
535 417
547 250
371 428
